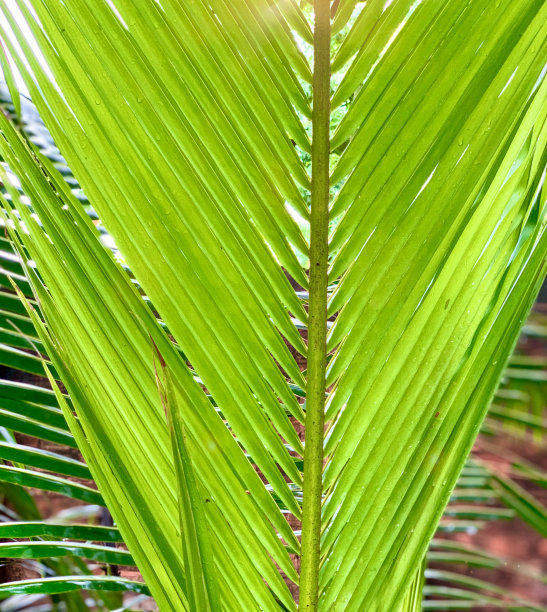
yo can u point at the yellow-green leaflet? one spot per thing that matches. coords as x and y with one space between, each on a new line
371 173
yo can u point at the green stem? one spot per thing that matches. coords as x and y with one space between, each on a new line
317 327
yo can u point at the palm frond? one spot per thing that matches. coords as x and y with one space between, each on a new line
187 127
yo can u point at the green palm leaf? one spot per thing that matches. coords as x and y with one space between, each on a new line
188 127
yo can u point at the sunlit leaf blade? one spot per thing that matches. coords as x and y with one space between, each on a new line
196 545
47 482
413 599
34 529
47 550
71 583
45 460
35 427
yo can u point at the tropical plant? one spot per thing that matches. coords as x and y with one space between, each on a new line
474 502
191 128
